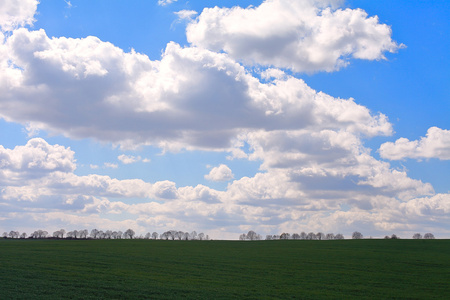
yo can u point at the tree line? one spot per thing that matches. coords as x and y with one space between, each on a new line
416 236
253 236
107 234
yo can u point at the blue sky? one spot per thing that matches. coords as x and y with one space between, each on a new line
221 117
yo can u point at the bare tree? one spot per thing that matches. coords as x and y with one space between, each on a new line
83 233
428 236
59 234
285 236
129 233
295 236
108 234
23 235
357 235
173 234
339 236
39 234
303 235
5 235
330 236
320 236
253 236
14 234
394 237
417 236
201 236
167 235
94 233
155 235
311 236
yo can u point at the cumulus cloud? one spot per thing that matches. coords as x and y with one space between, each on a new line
39 177
192 97
435 206
42 173
220 173
304 36
320 169
436 144
35 158
17 13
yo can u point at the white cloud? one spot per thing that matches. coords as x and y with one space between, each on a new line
69 4
273 74
436 144
31 130
166 2
17 13
291 197
110 165
220 173
436 206
36 158
320 169
186 14
201 99
128 159
304 36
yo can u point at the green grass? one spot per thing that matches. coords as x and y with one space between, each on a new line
146 269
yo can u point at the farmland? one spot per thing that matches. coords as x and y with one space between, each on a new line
138 269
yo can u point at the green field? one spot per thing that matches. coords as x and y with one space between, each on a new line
147 269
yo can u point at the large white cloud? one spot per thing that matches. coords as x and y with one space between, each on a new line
304 36
17 13
436 144
192 97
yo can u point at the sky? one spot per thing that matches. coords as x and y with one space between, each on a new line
225 116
